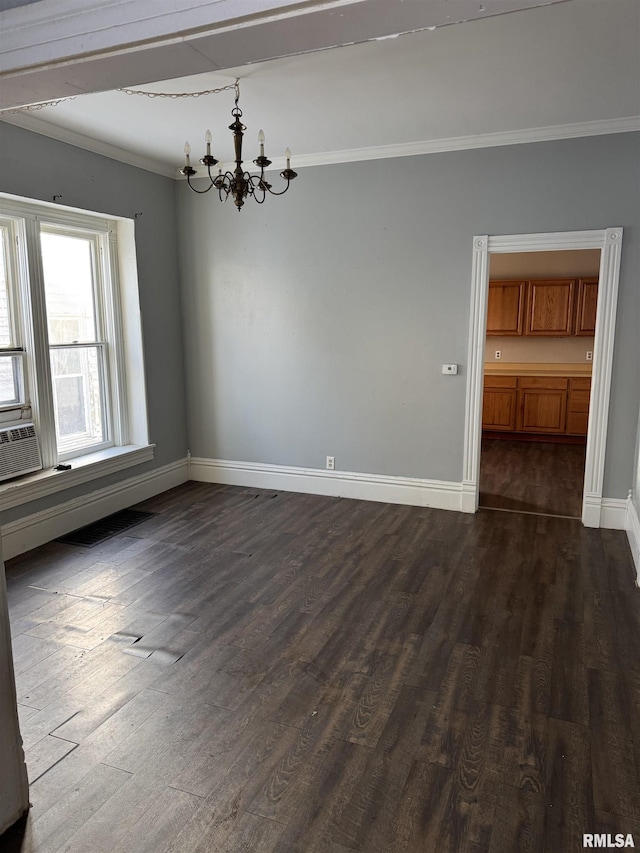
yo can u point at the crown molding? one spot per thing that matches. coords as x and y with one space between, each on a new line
349 155
88 143
461 143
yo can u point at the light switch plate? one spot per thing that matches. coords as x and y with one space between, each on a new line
450 369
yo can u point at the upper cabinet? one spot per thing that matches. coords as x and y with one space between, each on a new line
543 308
587 305
505 309
550 308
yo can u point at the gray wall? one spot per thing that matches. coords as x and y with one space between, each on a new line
317 323
37 167
14 791
636 475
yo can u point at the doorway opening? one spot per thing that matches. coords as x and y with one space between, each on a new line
609 243
538 359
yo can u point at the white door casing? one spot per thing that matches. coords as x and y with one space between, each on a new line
609 241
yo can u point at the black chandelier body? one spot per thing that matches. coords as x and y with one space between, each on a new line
238 184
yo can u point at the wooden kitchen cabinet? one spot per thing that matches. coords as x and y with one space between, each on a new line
578 405
499 403
505 308
587 306
551 405
542 308
542 404
550 307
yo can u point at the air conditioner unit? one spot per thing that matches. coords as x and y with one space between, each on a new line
19 451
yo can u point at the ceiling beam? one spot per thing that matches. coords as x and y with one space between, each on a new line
56 50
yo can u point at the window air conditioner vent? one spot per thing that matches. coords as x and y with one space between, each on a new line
19 451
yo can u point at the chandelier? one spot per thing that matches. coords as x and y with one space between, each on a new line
238 184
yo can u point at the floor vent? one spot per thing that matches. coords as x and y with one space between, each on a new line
100 531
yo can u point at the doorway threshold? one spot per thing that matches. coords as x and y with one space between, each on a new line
529 512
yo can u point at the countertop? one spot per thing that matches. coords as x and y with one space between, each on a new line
505 368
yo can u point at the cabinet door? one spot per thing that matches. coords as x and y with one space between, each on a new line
578 407
550 308
499 409
542 410
505 309
499 403
587 305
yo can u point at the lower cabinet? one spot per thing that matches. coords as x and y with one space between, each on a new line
499 403
542 404
578 405
551 405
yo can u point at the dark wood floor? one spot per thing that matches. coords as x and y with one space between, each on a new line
532 476
252 671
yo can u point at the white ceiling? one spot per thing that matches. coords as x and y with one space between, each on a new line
566 69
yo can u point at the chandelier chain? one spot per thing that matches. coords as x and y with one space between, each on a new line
10 111
175 95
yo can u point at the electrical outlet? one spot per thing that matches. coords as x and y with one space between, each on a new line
498 354
589 355
331 463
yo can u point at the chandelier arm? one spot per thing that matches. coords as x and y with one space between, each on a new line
200 192
213 180
282 192
257 186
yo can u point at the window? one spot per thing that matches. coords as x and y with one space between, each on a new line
11 351
78 344
70 342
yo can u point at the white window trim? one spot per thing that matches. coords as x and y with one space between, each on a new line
107 328
12 411
130 430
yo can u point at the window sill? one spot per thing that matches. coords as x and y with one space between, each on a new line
85 468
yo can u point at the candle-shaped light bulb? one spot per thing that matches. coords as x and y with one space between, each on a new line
207 139
187 152
287 154
220 167
261 141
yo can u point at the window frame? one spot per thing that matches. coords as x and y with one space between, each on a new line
16 349
27 220
106 338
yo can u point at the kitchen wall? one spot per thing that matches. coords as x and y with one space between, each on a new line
583 263
317 324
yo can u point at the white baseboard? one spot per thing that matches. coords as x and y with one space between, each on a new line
413 491
40 527
632 526
613 513
604 512
37 529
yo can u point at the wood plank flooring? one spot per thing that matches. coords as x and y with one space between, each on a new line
532 476
274 672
